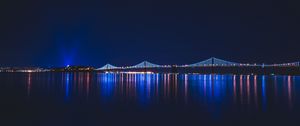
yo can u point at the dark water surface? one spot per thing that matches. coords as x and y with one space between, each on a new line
59 99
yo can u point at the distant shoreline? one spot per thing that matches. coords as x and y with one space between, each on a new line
246 70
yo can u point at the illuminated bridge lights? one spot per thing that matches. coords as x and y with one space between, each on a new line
211 62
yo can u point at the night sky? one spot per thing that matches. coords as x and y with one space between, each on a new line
126 32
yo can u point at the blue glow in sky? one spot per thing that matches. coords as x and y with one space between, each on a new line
58 33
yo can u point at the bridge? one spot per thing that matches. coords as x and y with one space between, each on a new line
211 65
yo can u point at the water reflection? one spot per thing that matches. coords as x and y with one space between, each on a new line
248 89
185 87
255 91
29 84
234 88
106 85
87 84
241 88
67 88
213 91
264 97
290 92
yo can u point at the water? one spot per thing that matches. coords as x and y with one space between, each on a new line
84 99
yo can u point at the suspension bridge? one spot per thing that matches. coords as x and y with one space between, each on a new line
211 65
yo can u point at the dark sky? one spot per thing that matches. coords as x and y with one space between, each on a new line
125 32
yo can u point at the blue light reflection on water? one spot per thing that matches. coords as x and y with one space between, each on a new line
147 89
213 93
190 96
107 81
264 97
142 90
67 87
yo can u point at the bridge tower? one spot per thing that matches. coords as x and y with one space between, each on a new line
145 66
